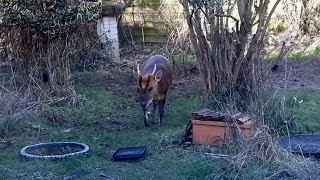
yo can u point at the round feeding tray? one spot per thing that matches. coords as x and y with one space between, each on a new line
304 144
54 150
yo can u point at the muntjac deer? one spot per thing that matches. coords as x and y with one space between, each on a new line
154 80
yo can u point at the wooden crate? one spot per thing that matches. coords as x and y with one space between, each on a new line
211 127
217 132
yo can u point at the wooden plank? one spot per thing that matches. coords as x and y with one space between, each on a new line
148 15
244 119
208 115
241 117
152 39
145 31
148 21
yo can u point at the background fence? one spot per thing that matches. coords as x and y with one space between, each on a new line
149 20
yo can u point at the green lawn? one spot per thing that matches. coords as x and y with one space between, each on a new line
310 51
305 108
106 122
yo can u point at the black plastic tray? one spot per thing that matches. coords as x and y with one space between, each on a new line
303 144
130 153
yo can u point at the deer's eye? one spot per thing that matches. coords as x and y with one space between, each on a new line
150 89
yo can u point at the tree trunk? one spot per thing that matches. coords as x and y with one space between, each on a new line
228 39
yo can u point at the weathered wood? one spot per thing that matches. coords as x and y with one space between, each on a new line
212 115
156 17
208 115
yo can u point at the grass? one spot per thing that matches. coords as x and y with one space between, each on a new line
293 110
310 51
305 107
107 122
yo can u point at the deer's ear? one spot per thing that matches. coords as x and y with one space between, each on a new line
158 76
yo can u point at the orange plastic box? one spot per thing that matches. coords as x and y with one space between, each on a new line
217 132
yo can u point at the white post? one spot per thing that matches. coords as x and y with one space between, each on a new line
107 29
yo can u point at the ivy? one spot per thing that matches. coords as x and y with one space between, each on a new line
47 19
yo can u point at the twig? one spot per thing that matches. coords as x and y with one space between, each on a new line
213 155
283 52
225 15
35 82
9 91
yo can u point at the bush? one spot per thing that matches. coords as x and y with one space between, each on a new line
41 37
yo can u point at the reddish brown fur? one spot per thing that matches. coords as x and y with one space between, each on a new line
146 80
150 90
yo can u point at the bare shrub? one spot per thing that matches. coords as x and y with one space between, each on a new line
179 48
42 38
310 20
41 43
20 102
228 40
297 17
